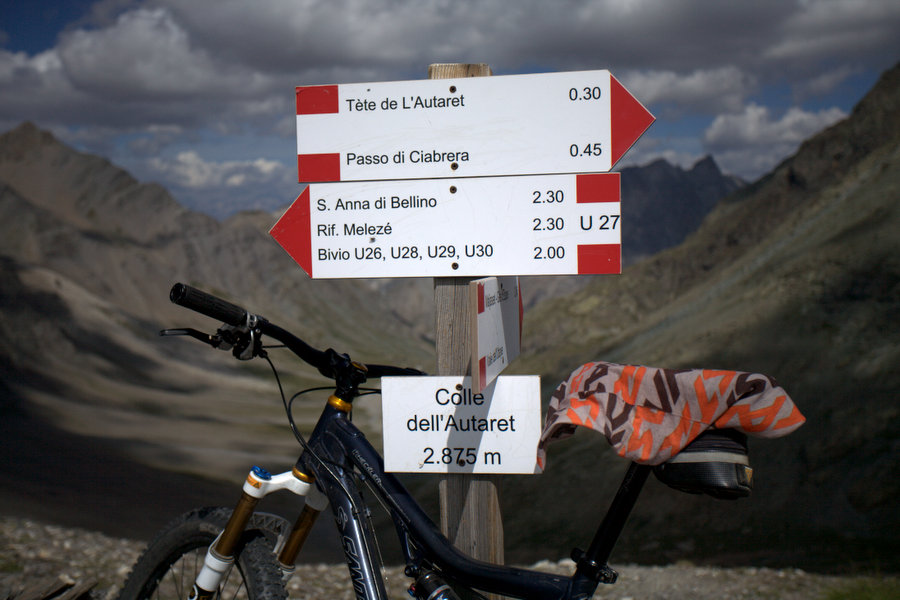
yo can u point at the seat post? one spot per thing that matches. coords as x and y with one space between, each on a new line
594 561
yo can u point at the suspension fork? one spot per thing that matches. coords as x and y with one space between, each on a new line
302 526
259 483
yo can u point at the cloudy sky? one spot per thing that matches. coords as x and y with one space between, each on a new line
199 94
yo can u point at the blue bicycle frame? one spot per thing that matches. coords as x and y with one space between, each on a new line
338 452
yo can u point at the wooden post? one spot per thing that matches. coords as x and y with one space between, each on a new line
470 504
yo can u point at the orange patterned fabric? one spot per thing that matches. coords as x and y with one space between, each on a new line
650 414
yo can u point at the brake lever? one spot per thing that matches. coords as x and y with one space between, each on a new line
243 342
213 340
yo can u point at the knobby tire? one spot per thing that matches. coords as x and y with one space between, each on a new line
168 567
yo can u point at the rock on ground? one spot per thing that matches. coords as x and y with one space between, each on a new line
30 551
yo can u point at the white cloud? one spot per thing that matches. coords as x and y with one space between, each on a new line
755 126
213 63
823 83
847 28
221 188
145 55
190 170
36 88
152 140
711 90
752 142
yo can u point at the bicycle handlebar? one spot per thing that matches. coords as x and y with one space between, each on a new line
232 314
207 304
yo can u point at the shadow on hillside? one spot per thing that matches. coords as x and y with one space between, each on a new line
76 481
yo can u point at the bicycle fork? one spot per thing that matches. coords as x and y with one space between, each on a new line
220 555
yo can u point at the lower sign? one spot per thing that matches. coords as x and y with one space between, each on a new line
542 225
438 425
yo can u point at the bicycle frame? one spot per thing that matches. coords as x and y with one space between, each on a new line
338 452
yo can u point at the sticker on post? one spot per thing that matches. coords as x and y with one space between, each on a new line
496 311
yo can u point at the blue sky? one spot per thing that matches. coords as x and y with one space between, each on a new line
198 94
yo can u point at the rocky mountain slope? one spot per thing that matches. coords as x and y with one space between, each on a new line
87 256
796 276
662 204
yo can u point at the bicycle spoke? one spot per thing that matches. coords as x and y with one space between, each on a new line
227 583
199 559
174 577
180 576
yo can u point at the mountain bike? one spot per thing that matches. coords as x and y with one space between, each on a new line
239 553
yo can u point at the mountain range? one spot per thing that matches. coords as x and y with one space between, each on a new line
663 204
796 275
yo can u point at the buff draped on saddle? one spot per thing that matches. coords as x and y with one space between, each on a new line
650 414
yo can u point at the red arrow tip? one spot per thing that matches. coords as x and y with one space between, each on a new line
292 232
629 119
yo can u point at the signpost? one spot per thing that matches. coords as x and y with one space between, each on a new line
571 122
470 504
541 225
432 161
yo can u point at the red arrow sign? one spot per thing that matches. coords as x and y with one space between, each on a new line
629 122
292 232
539 225
576 122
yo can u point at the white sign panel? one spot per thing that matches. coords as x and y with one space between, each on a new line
575 122
540 225
495 305
439 425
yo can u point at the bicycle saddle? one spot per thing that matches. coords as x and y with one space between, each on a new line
716 463
650 415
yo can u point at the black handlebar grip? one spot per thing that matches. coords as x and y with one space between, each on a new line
207 304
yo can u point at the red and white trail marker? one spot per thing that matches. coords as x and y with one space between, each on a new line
474 227
497 312
570 122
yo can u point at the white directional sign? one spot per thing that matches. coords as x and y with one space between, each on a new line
543 225
495 305
439 425
574 122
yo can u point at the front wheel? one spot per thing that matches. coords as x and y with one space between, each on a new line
170 564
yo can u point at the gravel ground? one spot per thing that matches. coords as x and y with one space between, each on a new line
30 550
